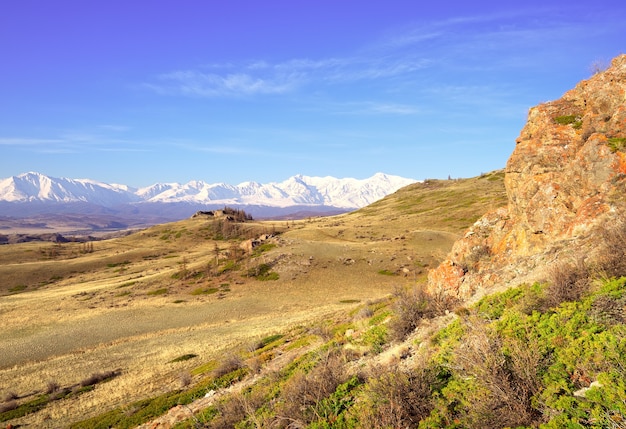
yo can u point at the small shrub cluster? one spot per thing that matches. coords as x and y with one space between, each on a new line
263 272
396 398
304 394
505 374
237 215
611 260
567 282
516 368
573 120
412 306
232 362
11 408
476 255
184 357
98 377
617 143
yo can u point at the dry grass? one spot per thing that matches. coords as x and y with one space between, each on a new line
67 314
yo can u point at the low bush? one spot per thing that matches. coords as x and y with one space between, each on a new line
230 363
567 282
573 120
396 398
99 377
10 396
504 373
8 406
611 260
410 307
617 143
263 272
52 387
183 358
304 392
204 291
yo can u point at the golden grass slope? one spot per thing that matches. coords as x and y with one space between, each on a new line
134 304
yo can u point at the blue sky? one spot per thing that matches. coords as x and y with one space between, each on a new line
138 92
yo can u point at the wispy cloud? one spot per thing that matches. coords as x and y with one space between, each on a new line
200 84
223 148
374 108
75 142
114 128
25 141
263 78
462 47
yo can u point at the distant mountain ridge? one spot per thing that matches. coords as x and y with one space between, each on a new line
325 193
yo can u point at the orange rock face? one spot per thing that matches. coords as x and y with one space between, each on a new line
566 175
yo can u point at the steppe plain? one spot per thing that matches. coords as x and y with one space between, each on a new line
132 305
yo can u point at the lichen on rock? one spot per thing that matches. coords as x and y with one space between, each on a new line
564 179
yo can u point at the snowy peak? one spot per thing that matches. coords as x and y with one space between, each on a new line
31 187
298 190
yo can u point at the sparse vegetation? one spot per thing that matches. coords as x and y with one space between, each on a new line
394 397
18 288
99 377
261 248
306 264
263 272
184 357
573 120
205 291
410 308
617 143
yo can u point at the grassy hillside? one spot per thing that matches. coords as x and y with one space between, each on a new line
144 322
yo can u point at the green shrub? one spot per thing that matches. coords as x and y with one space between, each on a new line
118 264
573 120
307 394
18 288
204 291
397 398
375 338
271 340
11 410
617 143
183 358
263 272
137 413
410 308
567 282
262 248
228 266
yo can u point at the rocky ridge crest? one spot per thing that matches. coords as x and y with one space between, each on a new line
565 182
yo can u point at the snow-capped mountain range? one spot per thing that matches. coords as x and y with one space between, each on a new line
297 191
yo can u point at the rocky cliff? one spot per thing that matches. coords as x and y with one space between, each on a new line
565 182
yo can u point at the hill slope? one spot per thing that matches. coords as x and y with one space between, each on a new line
547 354
129 306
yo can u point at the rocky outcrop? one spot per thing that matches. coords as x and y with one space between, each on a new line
564 180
